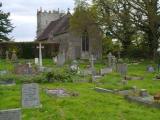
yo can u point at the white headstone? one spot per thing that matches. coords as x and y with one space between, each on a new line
40 54
36 61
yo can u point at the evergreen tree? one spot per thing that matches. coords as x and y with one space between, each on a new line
5 25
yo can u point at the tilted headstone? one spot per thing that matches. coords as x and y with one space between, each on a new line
109 59
60 59
122 68
11 114
30 95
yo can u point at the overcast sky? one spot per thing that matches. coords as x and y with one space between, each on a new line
23 15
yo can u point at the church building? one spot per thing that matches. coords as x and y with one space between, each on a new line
54 27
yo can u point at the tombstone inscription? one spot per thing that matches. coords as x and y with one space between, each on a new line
11 114
30 95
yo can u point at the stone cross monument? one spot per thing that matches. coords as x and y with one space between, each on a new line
40 47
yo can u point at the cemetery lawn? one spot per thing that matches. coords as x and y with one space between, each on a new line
89 104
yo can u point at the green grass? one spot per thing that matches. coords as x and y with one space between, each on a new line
89 105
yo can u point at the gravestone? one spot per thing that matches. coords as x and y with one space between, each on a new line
36 61
40 47
7 55
30 95
122 69
11 114
92 60
106 71
14 56
109 56
114 63
55 60
8 82
24 69
60 59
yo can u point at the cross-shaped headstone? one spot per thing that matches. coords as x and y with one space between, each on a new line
92 59
40 47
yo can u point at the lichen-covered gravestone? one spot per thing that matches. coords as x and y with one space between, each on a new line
14 56
122 69
11 114
30 95
60 59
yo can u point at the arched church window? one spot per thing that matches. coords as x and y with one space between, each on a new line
85 41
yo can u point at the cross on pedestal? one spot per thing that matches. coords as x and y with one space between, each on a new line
92 61
40 47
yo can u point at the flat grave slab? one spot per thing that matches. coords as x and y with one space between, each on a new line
8 82
11 114
30 95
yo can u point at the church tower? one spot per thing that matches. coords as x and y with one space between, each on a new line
44 18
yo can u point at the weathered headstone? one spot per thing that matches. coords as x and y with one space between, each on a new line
11 114
122 69
106 71
24 69
114 63
7 55
109 59
30 95
14 56
92 60
61 59
36 61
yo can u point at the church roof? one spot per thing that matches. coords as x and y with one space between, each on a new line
55 28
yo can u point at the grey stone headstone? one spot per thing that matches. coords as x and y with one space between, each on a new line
7 55
114 61
11 114
106 71
122 69
30 95
60 59
109 59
